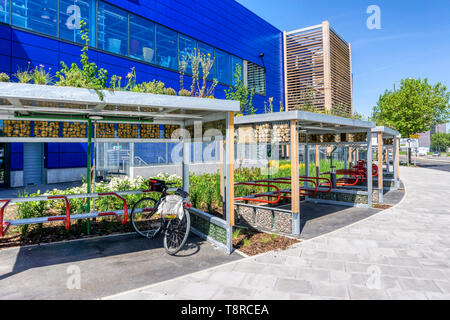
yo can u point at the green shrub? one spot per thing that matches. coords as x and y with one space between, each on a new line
170 92
24 76
184 93
41 76
4 77
28 210
88 76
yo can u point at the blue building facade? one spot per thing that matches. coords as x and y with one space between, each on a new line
148 35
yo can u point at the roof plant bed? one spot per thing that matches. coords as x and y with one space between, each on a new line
100 93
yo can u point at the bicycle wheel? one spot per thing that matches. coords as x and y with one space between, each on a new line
177 232
144 218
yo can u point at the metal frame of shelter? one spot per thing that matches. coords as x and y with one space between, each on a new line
66 104
387 139
302 126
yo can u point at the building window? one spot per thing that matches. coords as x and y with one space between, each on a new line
4 11
71 13
112 24
235 61
256 78
187 46
142 39
207 50
36 15
166 47
223 70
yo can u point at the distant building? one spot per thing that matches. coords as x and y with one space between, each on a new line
425 137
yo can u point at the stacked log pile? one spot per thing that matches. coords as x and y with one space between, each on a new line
12 128
74 130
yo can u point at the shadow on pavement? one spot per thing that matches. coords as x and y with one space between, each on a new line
107 266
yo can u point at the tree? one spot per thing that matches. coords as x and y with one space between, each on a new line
440 141
414 108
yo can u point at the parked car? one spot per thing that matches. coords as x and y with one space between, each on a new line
436 154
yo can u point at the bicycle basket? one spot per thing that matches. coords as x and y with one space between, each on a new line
171 206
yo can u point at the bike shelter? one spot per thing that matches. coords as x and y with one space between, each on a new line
39 113
273 204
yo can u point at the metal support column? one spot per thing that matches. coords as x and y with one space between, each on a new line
295 180
396 162
228 179
186 158
88 172
369 168
307 159
380 167
317 161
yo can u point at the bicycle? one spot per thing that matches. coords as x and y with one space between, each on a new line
148 223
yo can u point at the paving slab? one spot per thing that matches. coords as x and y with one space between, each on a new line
398 253
105 265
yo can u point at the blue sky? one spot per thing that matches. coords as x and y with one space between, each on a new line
414 39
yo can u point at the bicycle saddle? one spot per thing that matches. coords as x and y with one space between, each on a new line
182 193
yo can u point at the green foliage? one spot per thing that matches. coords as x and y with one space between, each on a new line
440 141
236 233
41 76
170 91
240 92
28 210
268 107
184 93
198 62
246 242
414 108
4 77
204 192
265 239
24 76
88 76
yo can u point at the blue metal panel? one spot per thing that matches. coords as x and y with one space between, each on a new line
5 64
16 156
5 32
33 53
223 24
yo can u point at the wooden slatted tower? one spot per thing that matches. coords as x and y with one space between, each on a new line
318 71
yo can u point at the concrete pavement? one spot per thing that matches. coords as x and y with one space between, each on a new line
399 253
93 268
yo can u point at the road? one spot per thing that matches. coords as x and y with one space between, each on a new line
438 163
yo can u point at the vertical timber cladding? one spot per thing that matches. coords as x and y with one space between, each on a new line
341 75
305 70
318 71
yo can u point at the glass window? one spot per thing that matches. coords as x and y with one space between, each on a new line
4 11
166 47
235 61
142 39
256 78
207 50
223 67
36 15
187 46
71 13
112 24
